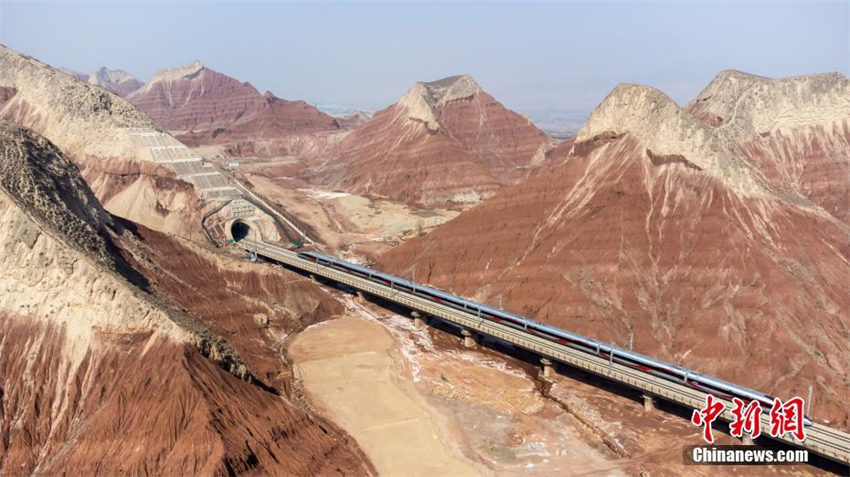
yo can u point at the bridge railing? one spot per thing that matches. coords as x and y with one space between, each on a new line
821 439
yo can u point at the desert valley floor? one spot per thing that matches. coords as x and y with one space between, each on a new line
137 337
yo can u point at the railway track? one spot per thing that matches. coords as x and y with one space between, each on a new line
821 439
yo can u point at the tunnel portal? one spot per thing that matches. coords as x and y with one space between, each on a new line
240 230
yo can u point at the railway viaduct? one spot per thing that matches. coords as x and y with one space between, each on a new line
242 218
821 439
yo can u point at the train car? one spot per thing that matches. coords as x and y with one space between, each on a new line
584 344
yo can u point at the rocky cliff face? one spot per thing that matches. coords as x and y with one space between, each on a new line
443 142
98 130
658 225
98 374
795 130
118 81
203 107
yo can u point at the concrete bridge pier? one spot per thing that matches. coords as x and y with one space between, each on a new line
313 278
360 298
418 320
548 367
648 403
468 338
747 439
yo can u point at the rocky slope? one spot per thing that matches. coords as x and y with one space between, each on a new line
203 107
658 226
118 81
443 142
277 128
98 374
97 130
795 130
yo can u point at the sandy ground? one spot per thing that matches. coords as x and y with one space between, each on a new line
466 411
349 367
350 225
479 411
388 385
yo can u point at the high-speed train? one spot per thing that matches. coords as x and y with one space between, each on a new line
584 344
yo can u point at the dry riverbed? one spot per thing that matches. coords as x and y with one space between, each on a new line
349 368
419 404
418 409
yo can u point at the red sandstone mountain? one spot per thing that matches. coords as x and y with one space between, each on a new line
118 81
137 171
202 106
795 130
194 97
657 224
112 356
278 127
99 371
443 142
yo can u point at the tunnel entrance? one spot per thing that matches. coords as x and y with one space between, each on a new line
240 230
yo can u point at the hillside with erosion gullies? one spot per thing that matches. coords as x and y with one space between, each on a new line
795 130
444 143
104 136
664 226
137 341
102 371
203 107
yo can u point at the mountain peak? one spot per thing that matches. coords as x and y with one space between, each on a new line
738 76
105 76
746 104
171 74
730 82
629 108
451 88
664 129
715 103
423 97
118 81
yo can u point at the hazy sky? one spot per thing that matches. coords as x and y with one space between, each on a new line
559 56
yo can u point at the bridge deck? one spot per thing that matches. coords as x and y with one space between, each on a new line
820 439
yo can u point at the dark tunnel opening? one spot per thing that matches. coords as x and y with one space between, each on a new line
240 230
